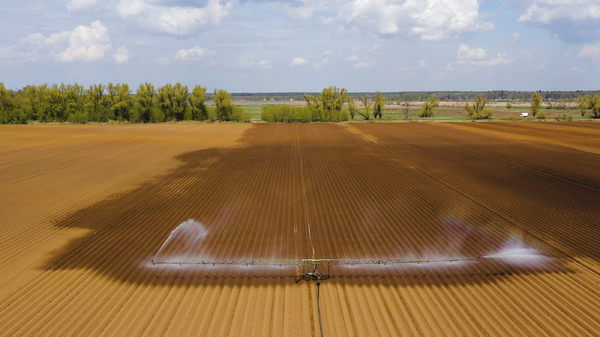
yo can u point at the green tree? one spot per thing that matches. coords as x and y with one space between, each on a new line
367 104
508 105
331 99
223 103
173 101
144 105
198 108
583 104
536 102
378 106
429 106
121 102
95 105
351 107
595 106
477 110
5 104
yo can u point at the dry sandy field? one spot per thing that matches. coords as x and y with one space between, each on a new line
503 217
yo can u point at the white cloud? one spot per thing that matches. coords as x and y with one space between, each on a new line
449 66
576 69
430 20
80 5
298 61
515 37
353 58
122 55
264 64
36 46
475 57
194 53
545 11
497 60
87 44
365 64
423 64
589 51
174 20
467 53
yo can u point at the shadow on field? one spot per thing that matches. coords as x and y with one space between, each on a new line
250 202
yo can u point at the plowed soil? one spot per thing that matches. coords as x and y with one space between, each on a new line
86 209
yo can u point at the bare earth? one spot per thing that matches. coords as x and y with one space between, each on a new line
85 209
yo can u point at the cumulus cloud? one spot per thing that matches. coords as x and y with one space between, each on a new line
34 46
590 51
477 57
545 11
422 64
430 20
298 61
122 55
86 44
194 53
576 70
174 20
467 53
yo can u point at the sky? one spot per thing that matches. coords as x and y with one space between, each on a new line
304 45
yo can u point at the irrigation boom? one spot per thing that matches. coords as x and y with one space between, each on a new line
312 269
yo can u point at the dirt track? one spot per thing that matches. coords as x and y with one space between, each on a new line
86 208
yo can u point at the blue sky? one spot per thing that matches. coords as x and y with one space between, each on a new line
276 46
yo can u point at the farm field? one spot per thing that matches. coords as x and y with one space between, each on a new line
86 209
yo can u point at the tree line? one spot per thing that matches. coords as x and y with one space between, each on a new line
458 96
115 102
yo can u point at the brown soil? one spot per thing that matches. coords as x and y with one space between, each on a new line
86 208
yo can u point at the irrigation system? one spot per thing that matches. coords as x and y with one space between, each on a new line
311 269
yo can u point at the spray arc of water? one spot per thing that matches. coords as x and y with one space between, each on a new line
183 243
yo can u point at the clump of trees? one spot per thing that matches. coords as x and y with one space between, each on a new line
328 105
587 102
536 102
113 102
429 106
477 109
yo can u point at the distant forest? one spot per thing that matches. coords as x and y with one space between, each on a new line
117 102
502 95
